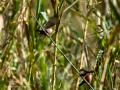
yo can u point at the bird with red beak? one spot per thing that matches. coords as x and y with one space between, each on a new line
86 74
48 27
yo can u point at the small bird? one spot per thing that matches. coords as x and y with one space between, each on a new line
48 27
88 78
86 74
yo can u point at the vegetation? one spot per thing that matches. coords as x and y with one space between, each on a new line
86 35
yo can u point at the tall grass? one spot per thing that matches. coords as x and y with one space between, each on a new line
86 34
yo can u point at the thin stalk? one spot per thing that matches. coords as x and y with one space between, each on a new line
105 68
84 46
54 63
55 56
107 59
31 43
71 5
56 39
85 34
55 50
81 63
30 69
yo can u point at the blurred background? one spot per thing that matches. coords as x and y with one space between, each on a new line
87 32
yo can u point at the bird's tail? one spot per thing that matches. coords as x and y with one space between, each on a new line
81 83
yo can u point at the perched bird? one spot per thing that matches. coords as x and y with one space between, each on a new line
86 74
48 27
88 78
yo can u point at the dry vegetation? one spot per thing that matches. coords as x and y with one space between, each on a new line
86 35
